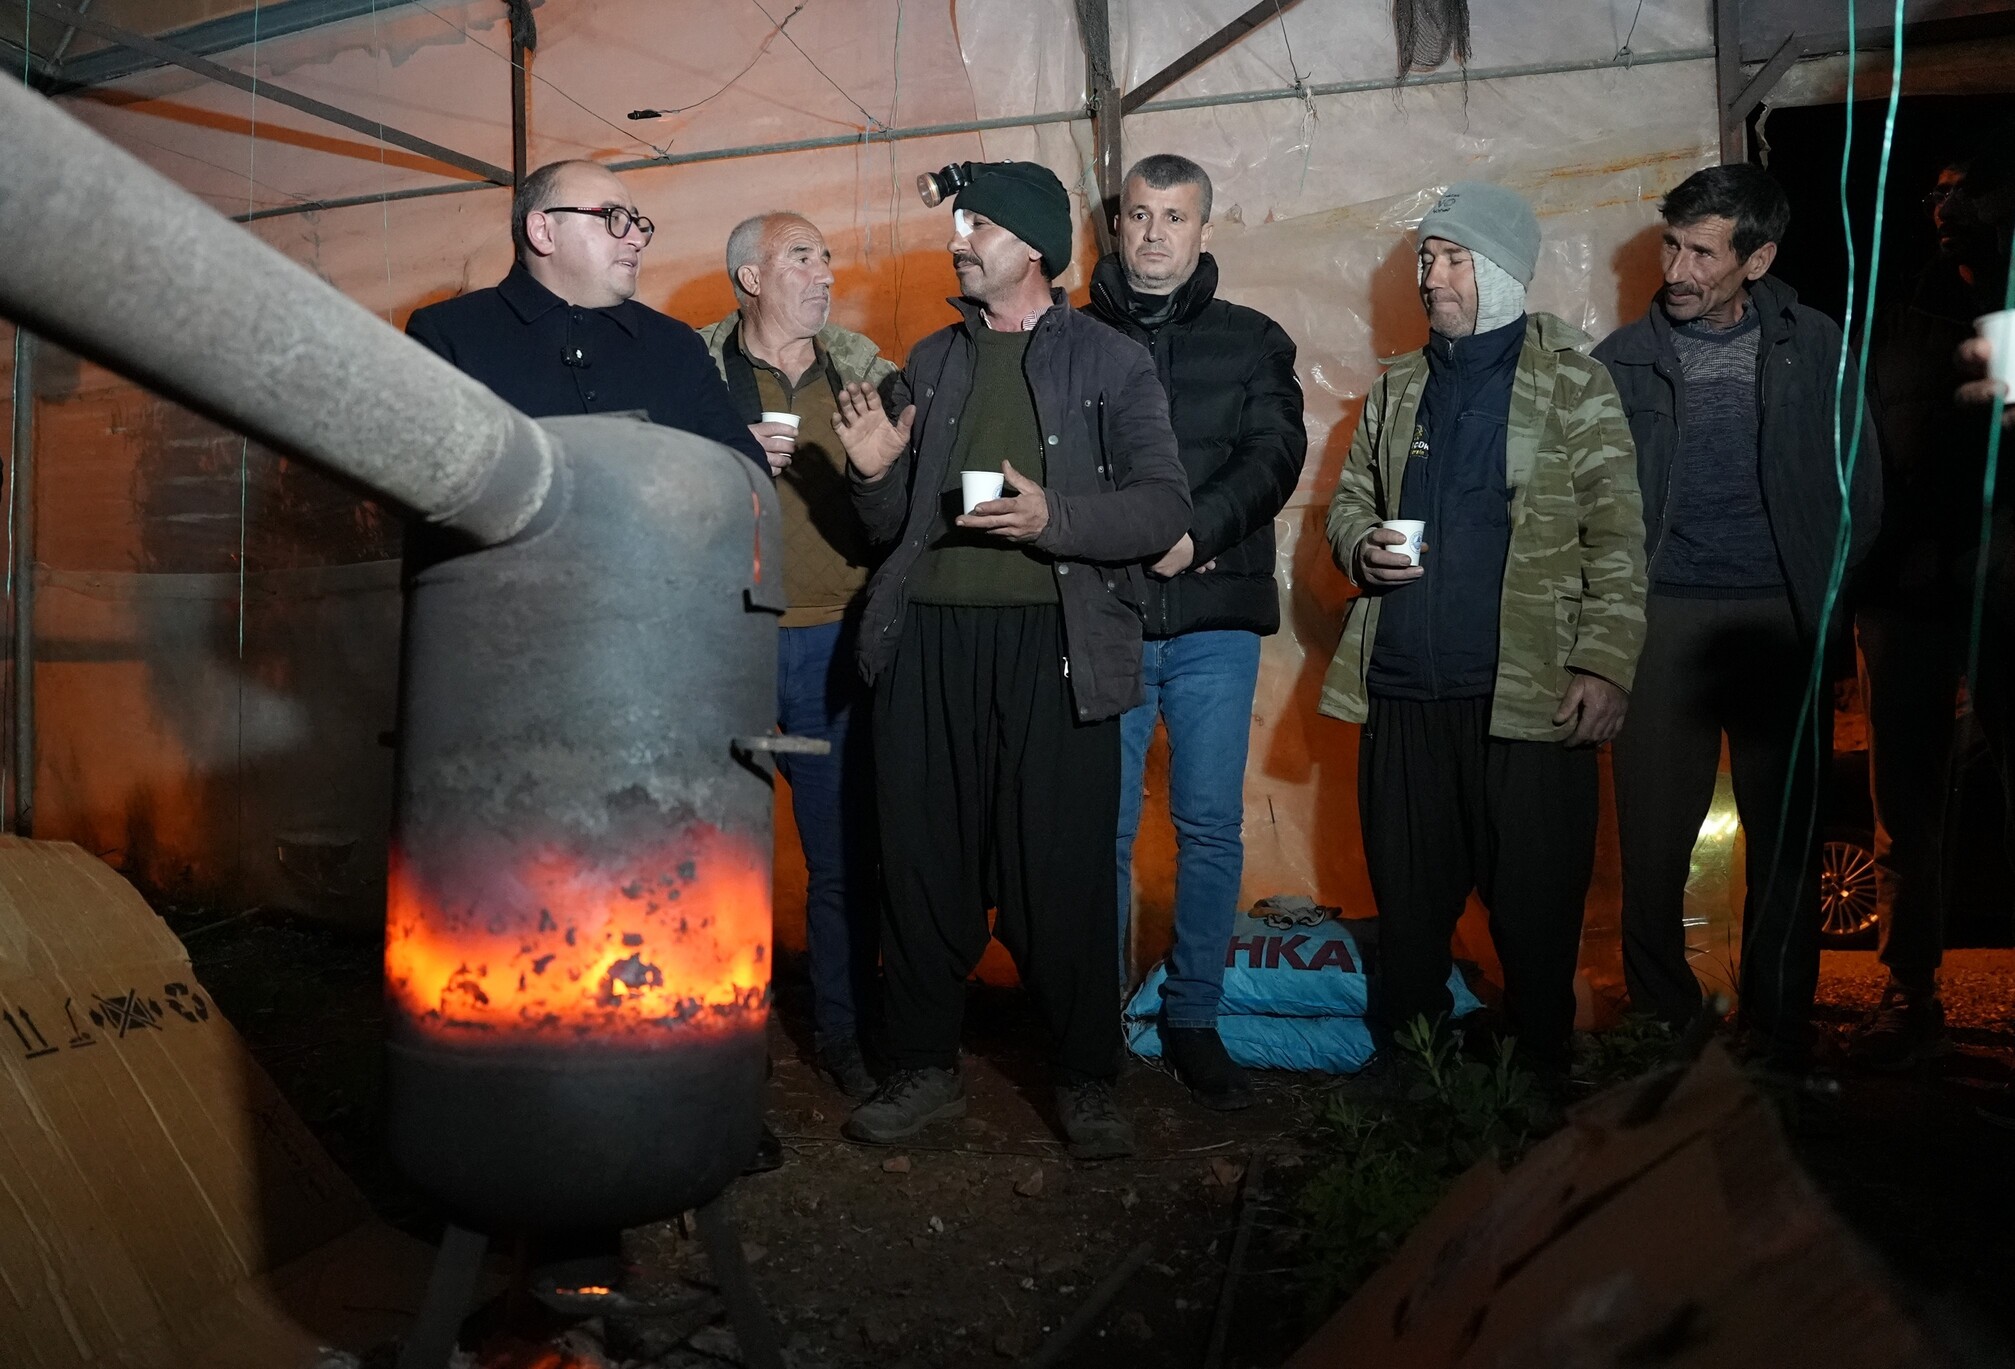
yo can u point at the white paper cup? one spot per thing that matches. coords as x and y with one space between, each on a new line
770 417
1411 528
1999 330
980 486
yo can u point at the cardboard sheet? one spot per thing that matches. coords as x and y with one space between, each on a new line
160 1204
1690 1242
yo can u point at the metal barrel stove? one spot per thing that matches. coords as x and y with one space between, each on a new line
578 932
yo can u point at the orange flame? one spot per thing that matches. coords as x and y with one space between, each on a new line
560 948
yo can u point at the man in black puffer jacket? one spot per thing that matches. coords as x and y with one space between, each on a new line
1236 405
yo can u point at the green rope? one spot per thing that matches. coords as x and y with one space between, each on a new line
1845 455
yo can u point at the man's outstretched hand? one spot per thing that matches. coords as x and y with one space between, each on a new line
872 442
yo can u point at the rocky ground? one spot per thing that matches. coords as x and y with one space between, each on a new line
978 1244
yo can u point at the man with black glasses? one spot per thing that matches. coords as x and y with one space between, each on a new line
562 333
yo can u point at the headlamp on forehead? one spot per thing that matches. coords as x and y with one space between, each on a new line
935 187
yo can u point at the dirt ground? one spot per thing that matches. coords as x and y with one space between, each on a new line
976 1246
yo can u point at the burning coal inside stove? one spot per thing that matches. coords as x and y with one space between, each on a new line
550 947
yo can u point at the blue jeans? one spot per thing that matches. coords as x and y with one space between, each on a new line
1201 684
832 799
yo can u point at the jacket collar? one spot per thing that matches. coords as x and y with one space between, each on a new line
731 342
531 301
975 317
853 353
1112 297
1547 332
1478 351
1650 339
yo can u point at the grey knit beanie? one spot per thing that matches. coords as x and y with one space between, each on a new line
1490 220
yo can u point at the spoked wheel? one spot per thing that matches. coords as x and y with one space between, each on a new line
1846 892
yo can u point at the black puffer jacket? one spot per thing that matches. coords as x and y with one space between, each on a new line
1236 406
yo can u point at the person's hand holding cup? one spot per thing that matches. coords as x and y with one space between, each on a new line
778 432
1987 360
978 487
1390 553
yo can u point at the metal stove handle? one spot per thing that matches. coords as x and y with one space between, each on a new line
777 743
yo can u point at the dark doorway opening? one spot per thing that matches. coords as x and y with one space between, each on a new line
1802 149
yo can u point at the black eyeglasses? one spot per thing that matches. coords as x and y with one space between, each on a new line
616 217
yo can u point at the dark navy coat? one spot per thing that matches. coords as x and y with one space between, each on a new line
548 358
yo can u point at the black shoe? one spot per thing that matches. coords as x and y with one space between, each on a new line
906 1103
843 1064
1199 1059
1092 1121
769 1153
1907 1029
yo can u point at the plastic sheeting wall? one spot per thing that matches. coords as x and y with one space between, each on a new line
1314 201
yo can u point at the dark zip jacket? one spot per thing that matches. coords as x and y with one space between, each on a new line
1437 636
1115 487
1236 407
1796 358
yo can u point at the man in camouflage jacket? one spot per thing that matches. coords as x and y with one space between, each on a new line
1488 668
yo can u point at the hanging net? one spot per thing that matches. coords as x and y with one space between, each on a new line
1429 32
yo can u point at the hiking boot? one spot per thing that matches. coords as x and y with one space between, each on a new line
1907 1029
842 1063
906 1103
1199 1059
1092 1121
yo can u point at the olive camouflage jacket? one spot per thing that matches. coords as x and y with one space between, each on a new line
1573 593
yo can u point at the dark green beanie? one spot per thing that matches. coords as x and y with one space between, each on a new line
1027 200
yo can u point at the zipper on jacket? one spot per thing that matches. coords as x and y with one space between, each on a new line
1678 386
1158 349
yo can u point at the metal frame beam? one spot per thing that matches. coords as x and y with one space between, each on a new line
524 37
20 809
1203 52
268 20
40 73
1728 78
891 135
1764 81
1101 83
280 95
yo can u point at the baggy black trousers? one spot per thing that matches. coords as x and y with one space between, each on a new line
1446 808
1710 666
992 794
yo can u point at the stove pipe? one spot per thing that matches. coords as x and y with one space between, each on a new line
577 946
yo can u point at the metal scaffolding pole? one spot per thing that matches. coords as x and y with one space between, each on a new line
20 814
890 135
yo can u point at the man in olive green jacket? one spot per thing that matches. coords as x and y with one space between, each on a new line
780 354
1491 652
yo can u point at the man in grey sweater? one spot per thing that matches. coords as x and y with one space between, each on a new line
1729 385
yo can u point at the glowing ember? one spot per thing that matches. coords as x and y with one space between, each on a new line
554 946
590 1290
